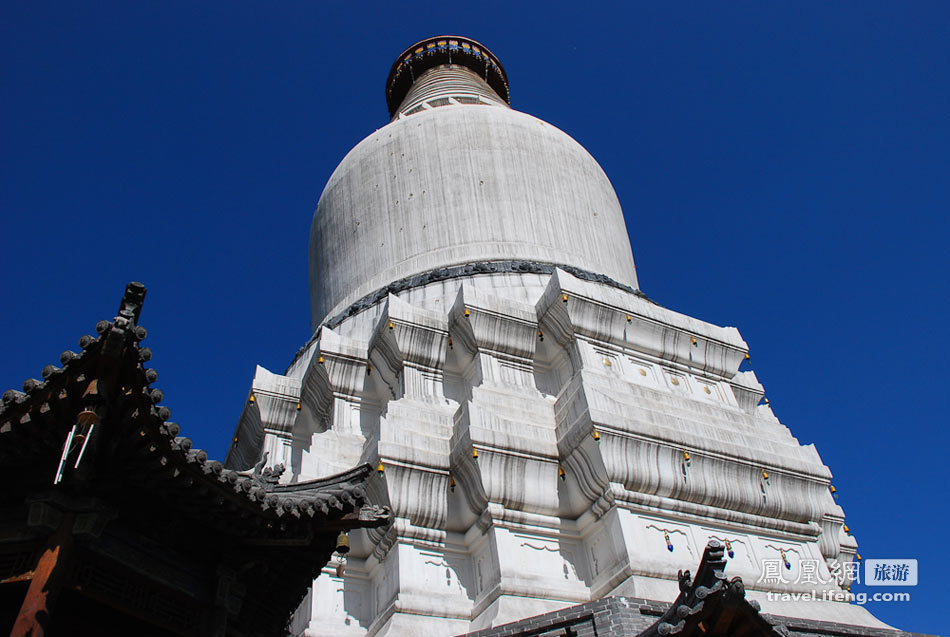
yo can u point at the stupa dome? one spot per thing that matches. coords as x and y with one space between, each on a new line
458 177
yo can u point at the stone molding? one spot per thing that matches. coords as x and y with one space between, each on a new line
538 455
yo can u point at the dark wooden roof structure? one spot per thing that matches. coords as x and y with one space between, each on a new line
713 606
112 523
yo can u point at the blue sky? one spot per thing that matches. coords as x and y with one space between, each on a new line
783 167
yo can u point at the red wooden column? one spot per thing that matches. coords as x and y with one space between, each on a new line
37 608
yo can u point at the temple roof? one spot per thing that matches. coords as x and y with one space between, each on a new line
712 605
93 437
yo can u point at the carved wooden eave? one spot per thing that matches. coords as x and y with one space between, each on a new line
712 605
161 532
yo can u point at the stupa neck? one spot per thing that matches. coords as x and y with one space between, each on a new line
447 84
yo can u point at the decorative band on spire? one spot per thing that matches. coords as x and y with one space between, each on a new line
437 51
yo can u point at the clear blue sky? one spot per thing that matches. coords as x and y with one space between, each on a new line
783 167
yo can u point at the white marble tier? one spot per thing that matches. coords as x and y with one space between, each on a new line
545 440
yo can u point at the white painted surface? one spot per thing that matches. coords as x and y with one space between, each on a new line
455 185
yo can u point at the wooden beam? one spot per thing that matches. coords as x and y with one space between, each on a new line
37 609
22 577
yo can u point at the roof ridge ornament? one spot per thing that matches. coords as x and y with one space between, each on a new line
131 305
267 478
712 605
125 322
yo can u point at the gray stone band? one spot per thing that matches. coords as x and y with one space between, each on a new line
468 269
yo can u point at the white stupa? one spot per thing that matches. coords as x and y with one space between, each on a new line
546 434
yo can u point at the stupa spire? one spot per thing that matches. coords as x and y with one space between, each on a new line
445 67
